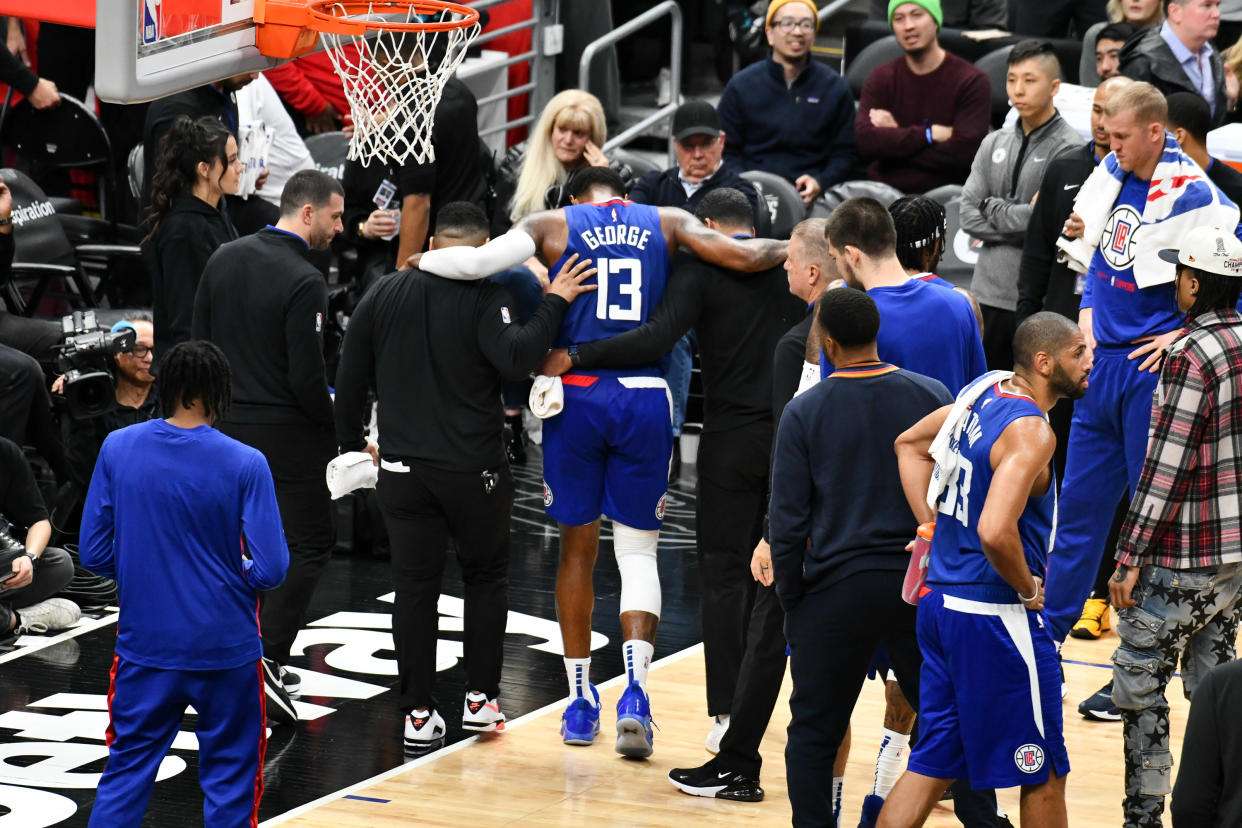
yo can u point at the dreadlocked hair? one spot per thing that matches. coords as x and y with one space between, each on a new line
195 370
920 223
186 143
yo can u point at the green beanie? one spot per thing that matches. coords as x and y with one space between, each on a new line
932 7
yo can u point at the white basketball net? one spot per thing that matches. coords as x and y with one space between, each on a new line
393 89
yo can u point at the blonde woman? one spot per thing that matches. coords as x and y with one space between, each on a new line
567 137
1138 13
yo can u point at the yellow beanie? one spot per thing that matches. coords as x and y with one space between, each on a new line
776 4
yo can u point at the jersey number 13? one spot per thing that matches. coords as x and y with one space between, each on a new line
626 276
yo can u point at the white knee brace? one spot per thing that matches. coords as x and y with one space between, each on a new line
636 559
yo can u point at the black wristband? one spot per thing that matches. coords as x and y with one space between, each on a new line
573 355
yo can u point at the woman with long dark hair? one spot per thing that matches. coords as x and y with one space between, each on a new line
197 166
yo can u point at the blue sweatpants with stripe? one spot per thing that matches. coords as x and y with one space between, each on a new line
146 704
1107 444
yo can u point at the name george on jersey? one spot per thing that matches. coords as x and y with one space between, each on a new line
616 234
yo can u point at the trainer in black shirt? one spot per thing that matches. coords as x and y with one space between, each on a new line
435 350
738 319
263 301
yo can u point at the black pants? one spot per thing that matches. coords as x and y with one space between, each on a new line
26 408
732 500
1052 18
998 330
758 686
297 455
833 634
423 508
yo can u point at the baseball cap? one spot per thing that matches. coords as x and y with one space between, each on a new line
1209 249
695 118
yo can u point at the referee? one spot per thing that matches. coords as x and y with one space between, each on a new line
435 351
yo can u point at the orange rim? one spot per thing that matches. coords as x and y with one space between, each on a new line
325 21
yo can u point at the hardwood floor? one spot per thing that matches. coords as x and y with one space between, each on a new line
526 777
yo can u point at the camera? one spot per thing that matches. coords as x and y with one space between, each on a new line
85 358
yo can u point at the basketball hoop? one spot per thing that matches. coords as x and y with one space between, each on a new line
393 57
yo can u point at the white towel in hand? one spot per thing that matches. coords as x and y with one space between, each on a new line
547 397
349 472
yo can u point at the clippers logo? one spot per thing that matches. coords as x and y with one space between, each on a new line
1029 758
660 506
1117 243
547 495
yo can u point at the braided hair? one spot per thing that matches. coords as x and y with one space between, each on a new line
920 224
186 143
195 370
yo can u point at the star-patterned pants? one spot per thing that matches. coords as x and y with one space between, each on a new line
1191 614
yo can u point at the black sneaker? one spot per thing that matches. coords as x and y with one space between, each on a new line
712 780
279 706
1100 707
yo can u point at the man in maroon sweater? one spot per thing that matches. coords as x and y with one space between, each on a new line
922 116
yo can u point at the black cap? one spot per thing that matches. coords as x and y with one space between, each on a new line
695 118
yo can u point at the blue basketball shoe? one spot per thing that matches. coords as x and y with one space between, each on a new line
634 737
580 721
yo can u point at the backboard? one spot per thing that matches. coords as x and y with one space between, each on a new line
147 49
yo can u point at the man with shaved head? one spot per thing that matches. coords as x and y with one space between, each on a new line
990 702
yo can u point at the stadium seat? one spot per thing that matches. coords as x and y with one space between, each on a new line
785 207
45 263
832 198
328 150
943 195
640 165
995 66
957 262
873 55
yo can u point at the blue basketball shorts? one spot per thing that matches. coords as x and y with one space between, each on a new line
989 694
608 451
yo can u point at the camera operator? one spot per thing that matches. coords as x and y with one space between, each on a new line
32 572
137 400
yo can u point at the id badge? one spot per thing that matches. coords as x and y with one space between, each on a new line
384 195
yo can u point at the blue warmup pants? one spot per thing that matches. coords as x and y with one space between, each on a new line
146 705
1107 444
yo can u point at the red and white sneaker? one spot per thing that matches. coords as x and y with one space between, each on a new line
482 714
424 731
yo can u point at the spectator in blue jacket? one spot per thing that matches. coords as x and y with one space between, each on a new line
788 114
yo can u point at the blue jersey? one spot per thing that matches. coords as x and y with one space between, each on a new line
958 565
927 329
187 523
625 243
1121 310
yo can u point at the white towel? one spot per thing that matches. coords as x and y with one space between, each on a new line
547 397
944 448
349 472
1179 199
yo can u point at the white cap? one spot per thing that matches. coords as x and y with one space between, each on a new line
1209 249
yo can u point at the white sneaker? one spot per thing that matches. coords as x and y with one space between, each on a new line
424 731
721 724
48 616
482 714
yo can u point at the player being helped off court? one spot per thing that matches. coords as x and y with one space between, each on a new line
990 706
608 451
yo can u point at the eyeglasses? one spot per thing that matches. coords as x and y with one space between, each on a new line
788 24
140 351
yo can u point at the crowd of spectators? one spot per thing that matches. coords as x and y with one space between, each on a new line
249 271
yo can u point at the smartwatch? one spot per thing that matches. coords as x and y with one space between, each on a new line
573 355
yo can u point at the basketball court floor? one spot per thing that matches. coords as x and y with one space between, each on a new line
343 764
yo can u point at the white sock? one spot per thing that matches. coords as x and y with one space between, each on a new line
579 672
888 763
838 783
637 656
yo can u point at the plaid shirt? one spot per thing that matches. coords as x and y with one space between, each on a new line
1185 512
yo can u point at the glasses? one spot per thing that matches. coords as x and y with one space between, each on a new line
140 351
788 24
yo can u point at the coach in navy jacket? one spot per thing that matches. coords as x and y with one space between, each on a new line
788 114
